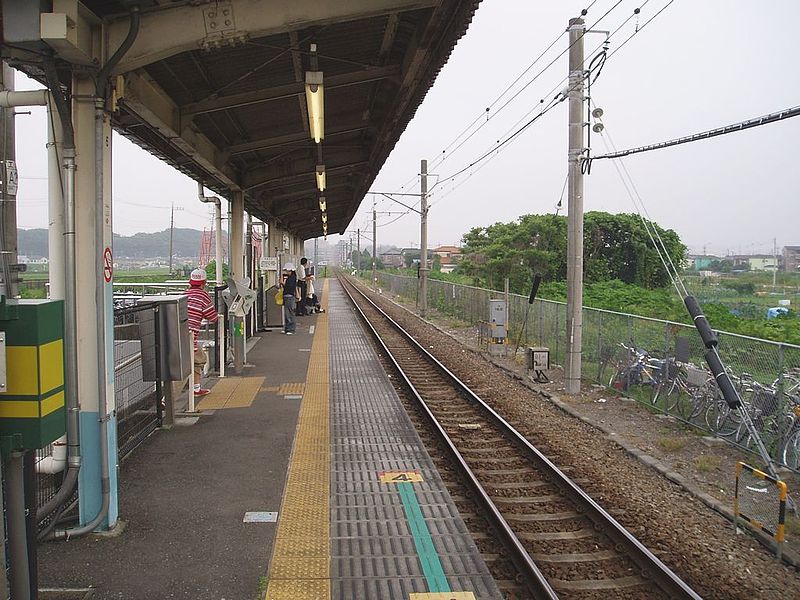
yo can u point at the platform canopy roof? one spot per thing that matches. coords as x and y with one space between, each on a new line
217 89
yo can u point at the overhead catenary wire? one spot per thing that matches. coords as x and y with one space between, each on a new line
774 117
436 161
512 133
563 94
439 160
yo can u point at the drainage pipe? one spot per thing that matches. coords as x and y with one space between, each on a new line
57 461
68 291
222 349
102 360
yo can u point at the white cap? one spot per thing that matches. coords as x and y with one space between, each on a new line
288 267
198 275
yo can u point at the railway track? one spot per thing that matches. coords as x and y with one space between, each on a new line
562 543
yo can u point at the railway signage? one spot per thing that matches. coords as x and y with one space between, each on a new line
108 265
400 476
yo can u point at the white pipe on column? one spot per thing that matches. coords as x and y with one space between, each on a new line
57 460
10 99
55 204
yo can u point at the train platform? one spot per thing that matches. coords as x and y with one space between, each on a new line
303 478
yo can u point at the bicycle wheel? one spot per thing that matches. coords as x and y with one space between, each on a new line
721 420
791 451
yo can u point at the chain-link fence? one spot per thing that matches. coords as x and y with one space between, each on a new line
659 363
138 402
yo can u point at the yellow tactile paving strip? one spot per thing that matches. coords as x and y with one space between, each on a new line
232 392
300 567
292 389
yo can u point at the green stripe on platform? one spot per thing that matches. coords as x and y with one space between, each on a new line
428 557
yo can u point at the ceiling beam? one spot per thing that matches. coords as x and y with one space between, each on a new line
253 180
172 30
145 98
282 140
280 92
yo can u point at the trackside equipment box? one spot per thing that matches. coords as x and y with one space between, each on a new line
32 410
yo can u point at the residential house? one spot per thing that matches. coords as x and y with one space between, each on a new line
791 259
449 257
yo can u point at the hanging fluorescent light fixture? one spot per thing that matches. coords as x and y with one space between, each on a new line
323 206
321 178
316 105
325 219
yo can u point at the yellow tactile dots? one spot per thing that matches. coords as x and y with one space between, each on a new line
232 392
300 567
292 389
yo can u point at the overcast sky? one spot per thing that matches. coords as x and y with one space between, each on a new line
697 66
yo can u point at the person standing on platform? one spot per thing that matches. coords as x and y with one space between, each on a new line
199 307
302 276
289 286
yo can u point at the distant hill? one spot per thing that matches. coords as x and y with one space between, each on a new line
185 243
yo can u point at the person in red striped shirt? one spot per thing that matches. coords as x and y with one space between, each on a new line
200 307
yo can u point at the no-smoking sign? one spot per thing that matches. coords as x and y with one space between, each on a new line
108 265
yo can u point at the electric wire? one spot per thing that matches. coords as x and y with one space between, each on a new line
563 94
509 136
683 293
638 29
523 88
440 159
736 127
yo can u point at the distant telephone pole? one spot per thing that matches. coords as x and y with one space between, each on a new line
358 258
423 239
774 261
575 209
171 229
374 246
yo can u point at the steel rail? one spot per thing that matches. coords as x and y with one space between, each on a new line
651 566
533 577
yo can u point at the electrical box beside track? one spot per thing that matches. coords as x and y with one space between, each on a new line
32 399
498 319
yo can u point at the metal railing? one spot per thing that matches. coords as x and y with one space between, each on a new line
607 338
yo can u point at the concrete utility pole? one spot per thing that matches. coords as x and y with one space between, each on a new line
358 258
423 239
374 247
575 209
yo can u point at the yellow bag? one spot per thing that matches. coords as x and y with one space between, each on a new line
279 298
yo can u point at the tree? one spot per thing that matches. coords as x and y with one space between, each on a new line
211 271
615 247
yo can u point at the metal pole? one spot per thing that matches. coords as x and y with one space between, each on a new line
423 238
374 248
218 241
3 557
157 349
8 210
171 227
506 297
17 534
575 208
358 257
